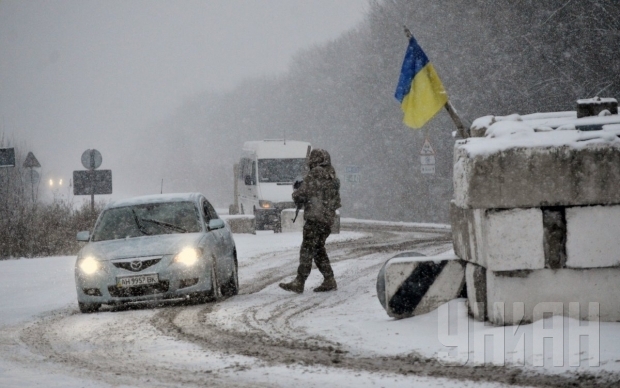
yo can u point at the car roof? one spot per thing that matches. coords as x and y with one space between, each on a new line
157 198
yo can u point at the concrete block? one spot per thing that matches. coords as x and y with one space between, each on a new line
476 281
593 236
500 240
554 238
286 220
506 291
460 231
500 175
240 223
409 285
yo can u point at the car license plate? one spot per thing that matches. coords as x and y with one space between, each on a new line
139 280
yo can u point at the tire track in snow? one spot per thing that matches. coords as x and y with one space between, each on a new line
140 347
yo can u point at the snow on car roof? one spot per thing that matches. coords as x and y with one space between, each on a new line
157 198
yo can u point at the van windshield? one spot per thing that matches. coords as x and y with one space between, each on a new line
280 170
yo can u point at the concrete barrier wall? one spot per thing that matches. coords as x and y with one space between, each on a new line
510 298
536 216
287 215
286 220
536 176
409 284
240 223
592 237
499 239
547 286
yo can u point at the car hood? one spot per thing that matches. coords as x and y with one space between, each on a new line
164 244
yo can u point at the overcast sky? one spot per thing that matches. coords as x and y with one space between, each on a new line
79 74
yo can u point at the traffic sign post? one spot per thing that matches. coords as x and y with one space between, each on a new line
30 163
427 158
7 157
352 174
427 166
92 181
91 159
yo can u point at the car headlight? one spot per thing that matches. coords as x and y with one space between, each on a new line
188 256
89 265
266 204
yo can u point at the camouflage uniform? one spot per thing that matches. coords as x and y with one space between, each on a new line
319 194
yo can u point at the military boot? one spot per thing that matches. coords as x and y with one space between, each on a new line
329 284
294 286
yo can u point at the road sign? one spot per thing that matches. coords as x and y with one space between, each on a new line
427 149
352 174
7 157
426 160
91 159
92 182
31 177
428 169
31 161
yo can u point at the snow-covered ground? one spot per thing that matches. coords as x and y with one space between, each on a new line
40 292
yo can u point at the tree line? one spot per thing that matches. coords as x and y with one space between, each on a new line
31 227
494 57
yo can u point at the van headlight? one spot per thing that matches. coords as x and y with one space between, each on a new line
266 204
188 256
89 265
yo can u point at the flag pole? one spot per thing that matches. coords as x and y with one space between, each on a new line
451 111
457 120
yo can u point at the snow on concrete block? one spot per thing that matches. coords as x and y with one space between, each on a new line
409 284
512 296
240 223
286 220
476 281
500 240
287 216
593 236
522 170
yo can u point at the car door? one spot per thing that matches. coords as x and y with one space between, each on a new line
220 244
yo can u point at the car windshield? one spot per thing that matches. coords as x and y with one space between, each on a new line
279 170
147 220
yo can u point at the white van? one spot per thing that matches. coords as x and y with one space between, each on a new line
265 177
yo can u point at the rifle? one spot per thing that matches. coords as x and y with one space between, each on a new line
299 181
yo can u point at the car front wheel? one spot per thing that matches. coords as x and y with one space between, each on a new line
87 308
231 287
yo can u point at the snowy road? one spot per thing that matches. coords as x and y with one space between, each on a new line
262 337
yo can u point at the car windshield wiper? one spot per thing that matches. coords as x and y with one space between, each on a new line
140 226
171 226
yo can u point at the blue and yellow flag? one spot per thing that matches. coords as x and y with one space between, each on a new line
419 89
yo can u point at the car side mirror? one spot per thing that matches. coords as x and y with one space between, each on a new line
83 236
216 224
248 180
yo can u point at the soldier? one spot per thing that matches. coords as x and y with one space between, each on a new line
319 194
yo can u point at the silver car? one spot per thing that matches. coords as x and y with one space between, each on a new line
171 246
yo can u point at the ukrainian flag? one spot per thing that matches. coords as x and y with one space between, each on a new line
419 89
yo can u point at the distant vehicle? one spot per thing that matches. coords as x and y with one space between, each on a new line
156 247
265 177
